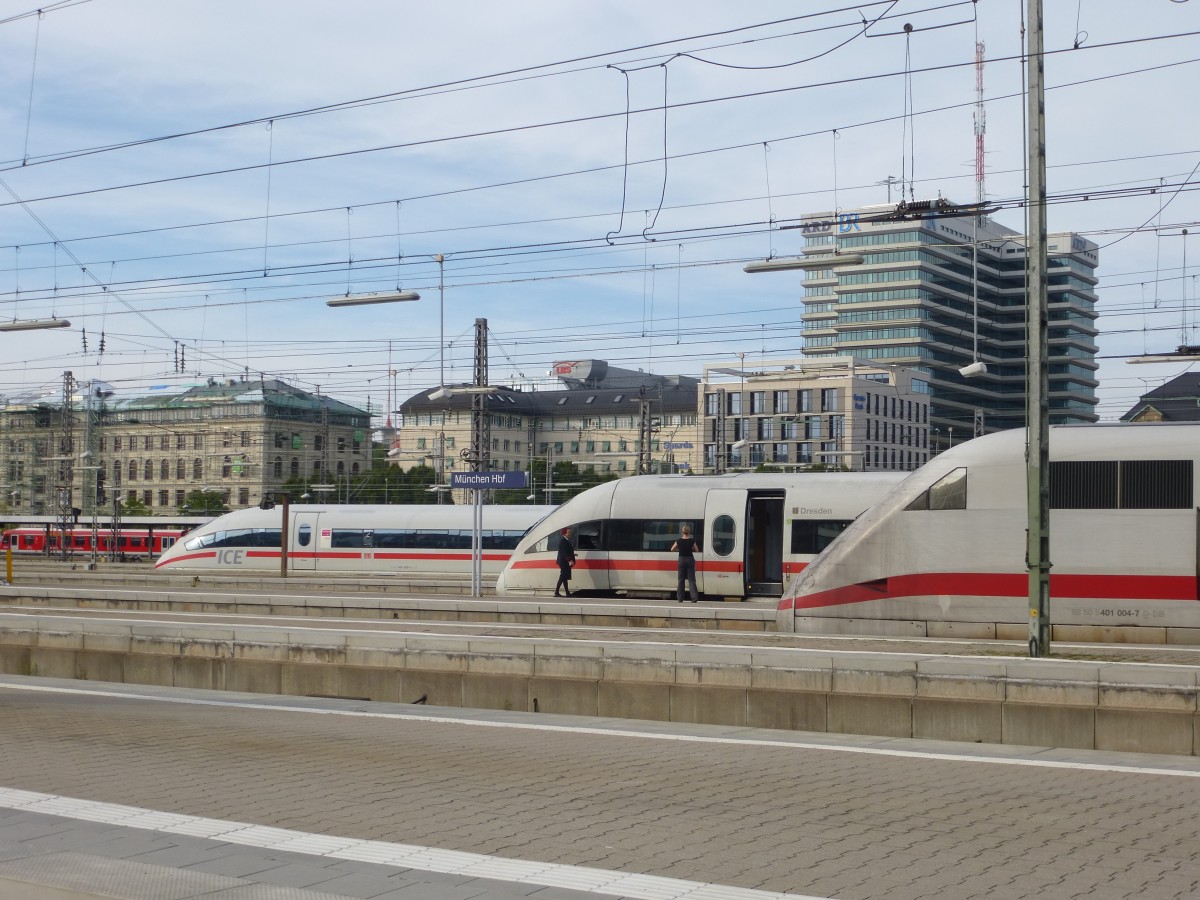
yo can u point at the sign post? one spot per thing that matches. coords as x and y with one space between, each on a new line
477 483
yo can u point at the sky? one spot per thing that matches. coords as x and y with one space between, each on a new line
187 183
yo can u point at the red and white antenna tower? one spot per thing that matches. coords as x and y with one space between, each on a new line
980 123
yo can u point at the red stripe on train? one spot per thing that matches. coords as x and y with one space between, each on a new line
990 584
353 555
629 565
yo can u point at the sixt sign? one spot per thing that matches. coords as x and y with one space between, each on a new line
487 481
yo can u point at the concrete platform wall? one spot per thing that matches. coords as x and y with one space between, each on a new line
745 617
1123 707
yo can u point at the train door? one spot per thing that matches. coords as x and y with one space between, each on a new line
304 538
764 544
722 564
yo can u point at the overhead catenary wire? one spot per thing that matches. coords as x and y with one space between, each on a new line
353 262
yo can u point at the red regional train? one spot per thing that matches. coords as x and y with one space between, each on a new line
31 541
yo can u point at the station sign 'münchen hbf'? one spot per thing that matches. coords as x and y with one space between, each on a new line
488 481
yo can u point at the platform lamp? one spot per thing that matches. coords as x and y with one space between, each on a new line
34 324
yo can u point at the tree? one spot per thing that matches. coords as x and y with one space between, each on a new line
204 503
132 506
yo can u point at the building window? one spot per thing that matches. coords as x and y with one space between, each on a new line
197 442
179 498
804 453
280 440
147 497
245 438
197 469
781 401
712 404
277 467
163 498
164 444
147 442
243 496
758 402
180 470
148 470
116 474
116 442
181 442
318 442
294 467
829 399
341 444
164 472
133 470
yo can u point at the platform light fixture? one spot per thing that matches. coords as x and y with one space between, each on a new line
34 324
374 297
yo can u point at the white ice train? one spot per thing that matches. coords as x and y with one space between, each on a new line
944 552
354 539
754 530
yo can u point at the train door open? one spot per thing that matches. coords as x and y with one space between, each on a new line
722 565
304 539
764 543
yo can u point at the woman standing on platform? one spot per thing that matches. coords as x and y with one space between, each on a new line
686 567
566 559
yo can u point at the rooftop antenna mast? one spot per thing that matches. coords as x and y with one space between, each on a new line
980 125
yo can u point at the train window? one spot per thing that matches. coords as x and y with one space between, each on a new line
304 535
391 539
811 536
541 545
646 535
501 540
345 537
587 535
948 492
724 532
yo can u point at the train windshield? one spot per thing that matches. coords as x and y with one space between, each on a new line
239 537
948 492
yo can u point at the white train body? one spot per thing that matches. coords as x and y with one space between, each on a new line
754 530
944 552
354 539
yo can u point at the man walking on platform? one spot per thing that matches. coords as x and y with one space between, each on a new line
566 559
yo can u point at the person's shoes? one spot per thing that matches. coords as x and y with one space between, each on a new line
557 594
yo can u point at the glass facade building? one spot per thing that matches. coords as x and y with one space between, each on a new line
939 293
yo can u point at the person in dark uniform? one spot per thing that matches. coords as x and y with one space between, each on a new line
687 548
566 559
